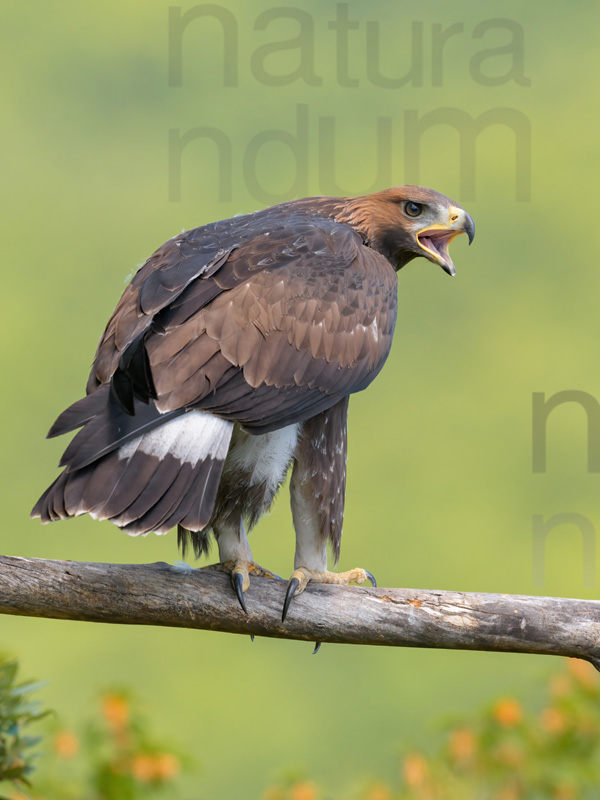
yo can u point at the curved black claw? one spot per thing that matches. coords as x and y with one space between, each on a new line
317 648
371 577
237 581
291 590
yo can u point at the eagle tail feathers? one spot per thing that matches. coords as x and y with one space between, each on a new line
166 476
79 413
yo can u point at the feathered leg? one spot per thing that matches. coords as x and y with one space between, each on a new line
317 490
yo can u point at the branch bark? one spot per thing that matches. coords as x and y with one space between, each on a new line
161 594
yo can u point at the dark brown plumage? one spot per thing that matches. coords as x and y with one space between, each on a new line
230 355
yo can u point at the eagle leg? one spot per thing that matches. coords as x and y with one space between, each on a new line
235 558
301 576
317 488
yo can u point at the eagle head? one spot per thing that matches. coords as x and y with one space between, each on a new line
409 221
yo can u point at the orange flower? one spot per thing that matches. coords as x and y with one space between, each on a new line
166 766
507 712
415 770
304 791
379 792
553 720
116 711
143 768
462 745
160 767
66 744
584 673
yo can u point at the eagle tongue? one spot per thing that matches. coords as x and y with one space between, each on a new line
430 242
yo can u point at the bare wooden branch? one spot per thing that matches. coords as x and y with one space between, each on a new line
161 594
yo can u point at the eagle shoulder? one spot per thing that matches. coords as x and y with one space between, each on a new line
292 302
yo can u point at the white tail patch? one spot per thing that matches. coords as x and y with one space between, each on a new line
191 438
265 457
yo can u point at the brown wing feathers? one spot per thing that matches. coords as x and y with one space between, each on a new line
265 320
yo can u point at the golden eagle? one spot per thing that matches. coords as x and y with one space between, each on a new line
231 356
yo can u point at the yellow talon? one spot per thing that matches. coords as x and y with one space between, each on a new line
240 572
300 578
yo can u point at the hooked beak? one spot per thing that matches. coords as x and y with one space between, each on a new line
435 239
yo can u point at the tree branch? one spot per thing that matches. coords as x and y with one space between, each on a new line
161 594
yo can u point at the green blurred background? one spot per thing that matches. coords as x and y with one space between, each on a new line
440 490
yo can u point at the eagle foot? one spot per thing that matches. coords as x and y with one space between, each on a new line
240 572
300 578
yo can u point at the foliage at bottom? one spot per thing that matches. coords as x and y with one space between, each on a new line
506 752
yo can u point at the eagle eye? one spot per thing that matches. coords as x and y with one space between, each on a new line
413 209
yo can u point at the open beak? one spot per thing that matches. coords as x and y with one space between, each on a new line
435 239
